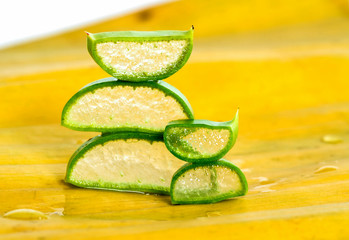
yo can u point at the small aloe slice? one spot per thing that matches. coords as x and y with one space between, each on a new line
201 140
141 56
110 105
123 162
207 183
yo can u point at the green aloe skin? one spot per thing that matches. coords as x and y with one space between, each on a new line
111 51
179 144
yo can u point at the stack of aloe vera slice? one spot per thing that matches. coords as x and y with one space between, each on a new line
132 109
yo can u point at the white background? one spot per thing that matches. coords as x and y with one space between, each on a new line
23 20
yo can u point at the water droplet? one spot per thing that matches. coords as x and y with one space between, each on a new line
263 180
58 212
264 188
329 138
25 214
213 214
326 169
267 190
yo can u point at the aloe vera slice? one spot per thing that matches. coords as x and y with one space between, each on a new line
123 162
141 55
207 183
110 105
201 140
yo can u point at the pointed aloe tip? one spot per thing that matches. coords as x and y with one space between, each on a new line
236 117
88 34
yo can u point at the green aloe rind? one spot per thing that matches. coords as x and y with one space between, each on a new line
176 130
141 37
94 146
144 126
211 195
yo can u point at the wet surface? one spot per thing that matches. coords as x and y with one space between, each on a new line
290 83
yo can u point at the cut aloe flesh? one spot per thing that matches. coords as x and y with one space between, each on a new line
129 161
110 105
141 55
207 183
201 140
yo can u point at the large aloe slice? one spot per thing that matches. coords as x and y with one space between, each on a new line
110 105
207 183
125 162
201 140
141 56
